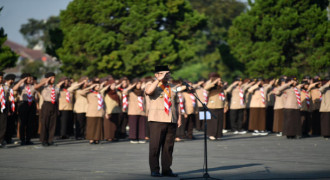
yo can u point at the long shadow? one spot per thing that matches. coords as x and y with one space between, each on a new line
220 168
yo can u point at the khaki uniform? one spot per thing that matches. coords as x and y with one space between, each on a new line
162 128
325 111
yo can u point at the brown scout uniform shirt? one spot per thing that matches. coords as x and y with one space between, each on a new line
325 104
133 106
235 102
46 92
315 98
23 93
256 98
111 106
156 106
188 106
214 101
92 108
278 99
289 97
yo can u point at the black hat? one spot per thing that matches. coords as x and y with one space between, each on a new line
161 68
10 77
24 75
307 77
317 78
2 73
49 74
260 79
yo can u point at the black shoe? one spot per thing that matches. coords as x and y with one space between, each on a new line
23 143
29 143
156 174
170 174
44 144
52 144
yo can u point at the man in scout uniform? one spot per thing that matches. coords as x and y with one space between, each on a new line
163 117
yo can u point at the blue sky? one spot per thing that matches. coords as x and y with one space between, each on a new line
17 12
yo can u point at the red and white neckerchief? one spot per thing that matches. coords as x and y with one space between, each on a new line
297 96
262 93
167 98
52 95
67 96
12 99
222 96
99 100
2 99
205 94
125 102
29 94
307 98
181 103
241 96
193 100
320 96
140 102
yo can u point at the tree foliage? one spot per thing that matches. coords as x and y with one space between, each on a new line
128 38
220 14
276 37
7 57
47 32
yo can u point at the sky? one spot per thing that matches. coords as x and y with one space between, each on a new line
17 12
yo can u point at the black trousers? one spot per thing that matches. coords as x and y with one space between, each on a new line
3 125
66 123
48 122
305 118
189 125
316 122
236 119
137 127
162 136
80 125
27 114
215 125
269 118
10 130
123 121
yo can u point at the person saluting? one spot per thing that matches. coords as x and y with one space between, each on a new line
164 118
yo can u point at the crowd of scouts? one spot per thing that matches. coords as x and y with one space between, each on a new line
101 109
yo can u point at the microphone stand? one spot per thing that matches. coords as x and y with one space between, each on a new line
205 108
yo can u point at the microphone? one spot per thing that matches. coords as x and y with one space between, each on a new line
187 85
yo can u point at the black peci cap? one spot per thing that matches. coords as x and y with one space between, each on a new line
49 74
10 77
161 68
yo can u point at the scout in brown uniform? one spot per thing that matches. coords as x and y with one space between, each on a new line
316 97
95 113
11 107
203 95
65 108
191 109
123 121
3 111
26 107
237 105
80 107
164 117
305 114
136 111
325 109
291 112
278 108
257 120
216 104
113 110
49 109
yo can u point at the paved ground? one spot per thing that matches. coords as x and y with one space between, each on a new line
234 157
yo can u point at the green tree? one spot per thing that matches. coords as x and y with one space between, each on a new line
121 37
276 37
220 14
7 57
47 32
